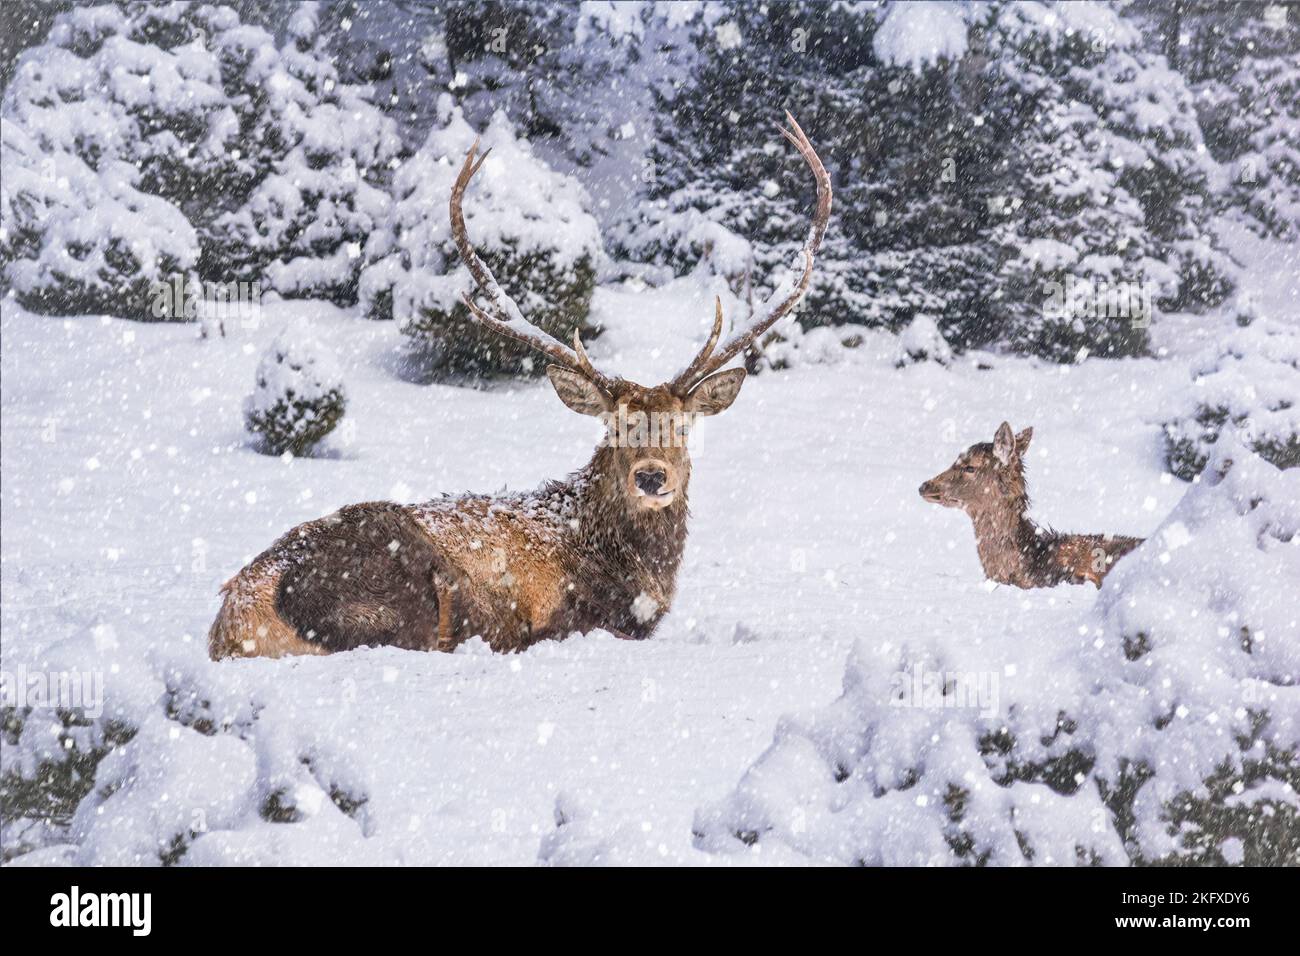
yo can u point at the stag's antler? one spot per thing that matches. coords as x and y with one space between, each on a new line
503 315
784 298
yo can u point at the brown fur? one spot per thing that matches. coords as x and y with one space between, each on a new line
365 576
587 552
987 481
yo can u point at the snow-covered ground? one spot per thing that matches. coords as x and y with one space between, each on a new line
131 493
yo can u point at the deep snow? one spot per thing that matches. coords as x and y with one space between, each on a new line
131 492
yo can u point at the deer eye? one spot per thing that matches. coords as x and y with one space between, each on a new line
969 469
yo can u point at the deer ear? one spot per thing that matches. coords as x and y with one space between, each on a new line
577 391
1022 441
716 393
1004 444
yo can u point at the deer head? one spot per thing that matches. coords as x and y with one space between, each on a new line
985 477
646 428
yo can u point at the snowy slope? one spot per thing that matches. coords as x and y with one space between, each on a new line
131 493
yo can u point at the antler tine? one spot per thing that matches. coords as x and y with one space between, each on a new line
581 353
685 379
503 315
787 295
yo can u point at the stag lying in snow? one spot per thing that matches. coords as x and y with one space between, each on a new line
987 481
598 550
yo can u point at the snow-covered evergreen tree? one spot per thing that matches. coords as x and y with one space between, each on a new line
1263 114
1075 251
106 126
558 70
978 153
319 156
723 192
1243 62
144 141
528 222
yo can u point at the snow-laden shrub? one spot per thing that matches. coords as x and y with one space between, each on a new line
793 346
78 239
299 397
922 341
52 744
169 765
1251 384
529 224
323 152
50 766
676 233
95 122
148 141
1164 728
825 345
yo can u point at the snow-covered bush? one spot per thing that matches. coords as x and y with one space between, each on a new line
52 743
96 123
299 397
529 224
322 153
792 346
169 764
147 141
922 341
1163 729
1250 384
77 239
49 767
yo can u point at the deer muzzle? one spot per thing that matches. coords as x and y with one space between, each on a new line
932 493
652 483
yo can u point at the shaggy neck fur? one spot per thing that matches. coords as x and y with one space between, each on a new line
623 552
1012 549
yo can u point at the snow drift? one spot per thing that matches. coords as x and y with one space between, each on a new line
1165 727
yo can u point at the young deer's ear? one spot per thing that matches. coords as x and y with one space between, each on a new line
577 391
1022 441
1004 444
716 393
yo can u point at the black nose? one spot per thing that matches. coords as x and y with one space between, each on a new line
650 481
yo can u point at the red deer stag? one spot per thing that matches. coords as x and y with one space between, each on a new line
987 481
598 550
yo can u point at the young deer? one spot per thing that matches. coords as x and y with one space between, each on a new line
598 550
987 481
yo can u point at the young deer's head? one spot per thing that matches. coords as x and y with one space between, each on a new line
646 428
985 477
